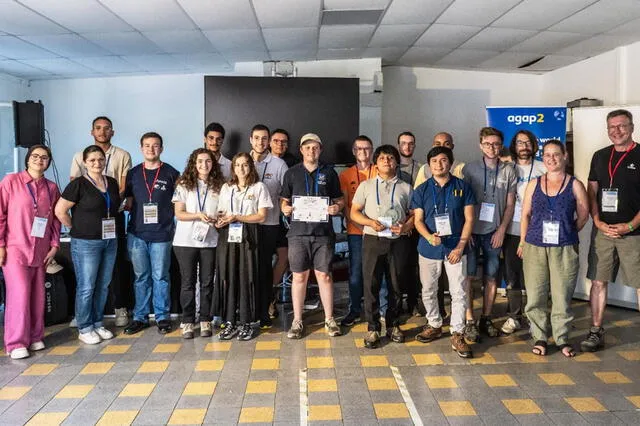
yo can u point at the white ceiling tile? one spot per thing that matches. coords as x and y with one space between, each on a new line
151 15
396 35
236 40
124 43
630 28
595 45
220 14
153 63
467 58
448 36
355 4
16 19
14 48
108 64
509 60
475 12
423 55
287 13
203 60
539 14
233 56
324 54
294 55
552 62
497 39
81 16
19 69
345 36
68 45
180 41
548 42
60 66
387 54
414 11
600 17
290 39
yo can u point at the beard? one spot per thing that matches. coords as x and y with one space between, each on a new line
525 154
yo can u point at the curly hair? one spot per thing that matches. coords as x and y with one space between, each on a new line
252 177
189 178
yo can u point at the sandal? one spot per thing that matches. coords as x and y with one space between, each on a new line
539 348
570 353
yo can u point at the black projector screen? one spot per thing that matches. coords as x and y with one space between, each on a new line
329 107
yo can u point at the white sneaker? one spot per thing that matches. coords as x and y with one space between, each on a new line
122 319
89 338
19 353
37 346
104 333
73 323
510 326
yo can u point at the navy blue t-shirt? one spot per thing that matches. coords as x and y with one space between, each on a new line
162 192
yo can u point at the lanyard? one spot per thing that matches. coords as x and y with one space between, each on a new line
555 198
264 172
435 197
393 191
204 200
358 173
241 202
35 201
155 179
612 172
306 181
495 180
106 166
105 194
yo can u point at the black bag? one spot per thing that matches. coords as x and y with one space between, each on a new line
56 308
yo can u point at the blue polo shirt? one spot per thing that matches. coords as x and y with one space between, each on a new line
456 194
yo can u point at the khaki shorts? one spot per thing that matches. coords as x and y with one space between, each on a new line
608 252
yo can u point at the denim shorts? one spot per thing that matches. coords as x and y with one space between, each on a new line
490 258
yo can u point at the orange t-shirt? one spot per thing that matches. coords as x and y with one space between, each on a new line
349 181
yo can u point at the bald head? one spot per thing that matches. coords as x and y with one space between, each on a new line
443 139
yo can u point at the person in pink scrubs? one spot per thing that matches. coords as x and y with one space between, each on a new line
29 239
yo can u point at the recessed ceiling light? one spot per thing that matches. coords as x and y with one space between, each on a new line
351 17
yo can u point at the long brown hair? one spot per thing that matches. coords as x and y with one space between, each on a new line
189 178
252 177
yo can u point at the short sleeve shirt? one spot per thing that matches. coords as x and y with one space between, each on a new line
525 173
409 172
117 163
271 172
425 173
208 199
350 180
245 202
225 167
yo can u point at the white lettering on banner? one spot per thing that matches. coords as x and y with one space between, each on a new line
530 119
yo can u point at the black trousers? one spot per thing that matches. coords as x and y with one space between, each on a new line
389 257
189 259
513 274
121 287
268 237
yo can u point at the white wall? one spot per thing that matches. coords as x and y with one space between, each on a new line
11 89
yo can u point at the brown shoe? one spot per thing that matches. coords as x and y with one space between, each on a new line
395 334
459 345
429 334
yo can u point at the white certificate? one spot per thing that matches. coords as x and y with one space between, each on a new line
310 209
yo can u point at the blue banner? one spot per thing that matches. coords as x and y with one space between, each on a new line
544 122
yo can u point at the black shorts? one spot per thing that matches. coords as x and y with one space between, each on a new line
310 252
282 240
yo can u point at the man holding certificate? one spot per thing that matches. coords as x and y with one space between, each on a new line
310 195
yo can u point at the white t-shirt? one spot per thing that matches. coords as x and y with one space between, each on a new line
271 172
184 229
245 202
523 172
225 167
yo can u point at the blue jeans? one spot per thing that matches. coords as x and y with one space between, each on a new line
356 290
151 263
490 256
93 262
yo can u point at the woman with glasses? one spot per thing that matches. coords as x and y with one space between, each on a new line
555 209
29 239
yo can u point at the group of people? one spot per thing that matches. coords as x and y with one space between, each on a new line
226 219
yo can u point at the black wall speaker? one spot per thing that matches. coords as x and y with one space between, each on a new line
28 118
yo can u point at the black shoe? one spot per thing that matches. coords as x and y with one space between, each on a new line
164 326
594 340
266 324
135 327
350 319
247 332
228 332
395 335
486 327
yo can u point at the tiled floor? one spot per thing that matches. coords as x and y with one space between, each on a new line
149 379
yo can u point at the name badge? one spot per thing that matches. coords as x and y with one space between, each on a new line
550 231
200 231
235 232
610 200
150 213
39 227
443 225
388 222
487 212
517 213
108 228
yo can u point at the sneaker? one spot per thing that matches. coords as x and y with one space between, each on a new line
228 332
37 346
485 325
205 329
295 332
460 346
351 319
122 319
332 328
104 333
135 327
246 332
395 335
372 340
273 310
19 353
217 322
429 334
594 340
89 338
164 326
471 333
187 330
73 323
266 324
510 326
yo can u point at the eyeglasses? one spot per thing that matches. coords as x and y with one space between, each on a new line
491 145
524 143
619 127
40 157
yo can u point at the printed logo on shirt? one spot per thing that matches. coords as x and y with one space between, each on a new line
251 197
161 185
322 179
268 176
631 166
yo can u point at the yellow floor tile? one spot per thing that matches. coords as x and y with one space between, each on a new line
482 358
556 379
531 358
74 391
175 333
256 415
210 365
409 326
414 343
324 412
265 364
498 380
63 350
137 389
11 393
359 343
586 357
521 406
153 367
273 345
261 386
130 336
97 368
111 418
440 382
187 416
612 377
115 349
516 342
374 361
427 359
585 405
630 355
322 385
635 400
48 419
218 347
360 328
167 348
457 408
382 383
199 388
319 362
391 411
622 323
39 369
318 344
